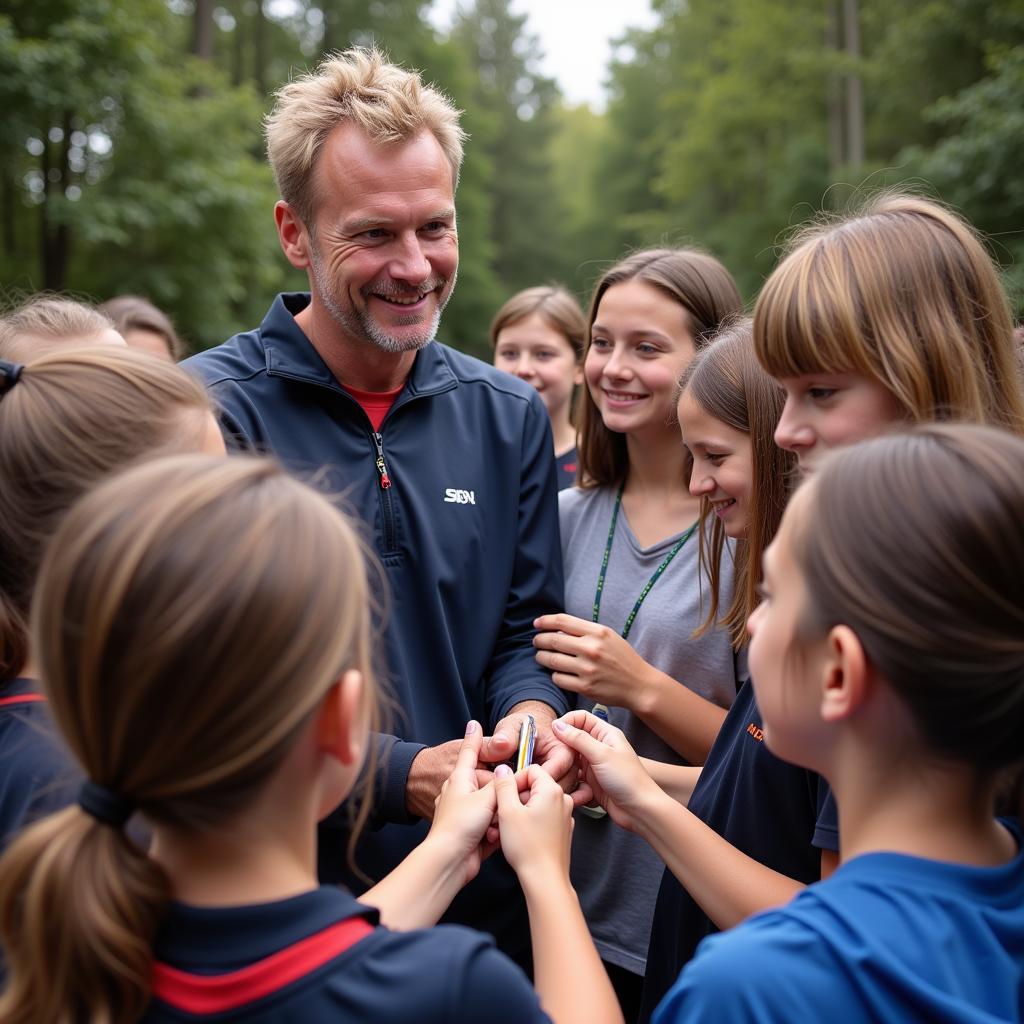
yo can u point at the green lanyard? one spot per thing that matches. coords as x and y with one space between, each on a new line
649 584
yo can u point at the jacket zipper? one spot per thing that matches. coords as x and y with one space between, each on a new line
386 501
382 469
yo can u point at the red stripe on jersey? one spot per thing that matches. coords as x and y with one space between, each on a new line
24 698
217 993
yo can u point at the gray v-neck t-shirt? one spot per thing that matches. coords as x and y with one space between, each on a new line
616 873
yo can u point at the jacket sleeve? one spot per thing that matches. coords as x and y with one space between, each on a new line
537 579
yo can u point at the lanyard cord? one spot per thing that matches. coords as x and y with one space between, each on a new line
676 548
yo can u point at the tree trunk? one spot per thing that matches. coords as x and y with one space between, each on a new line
854 97
202 36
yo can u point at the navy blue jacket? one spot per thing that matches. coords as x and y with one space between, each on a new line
467 533
440 975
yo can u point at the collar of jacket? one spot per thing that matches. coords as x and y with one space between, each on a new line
289 353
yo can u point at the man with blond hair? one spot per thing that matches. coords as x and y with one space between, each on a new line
447 461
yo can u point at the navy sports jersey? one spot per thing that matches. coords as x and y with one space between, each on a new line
773 811
889 938
37 774
259 964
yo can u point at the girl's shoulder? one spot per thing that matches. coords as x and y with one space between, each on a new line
908 924
322 955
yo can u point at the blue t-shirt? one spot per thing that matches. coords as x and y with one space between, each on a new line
778 814
437 975
37 774
888 938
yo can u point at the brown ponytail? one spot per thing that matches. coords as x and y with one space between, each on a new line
190 616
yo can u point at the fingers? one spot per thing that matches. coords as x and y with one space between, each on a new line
578 739
506 789
500 746
562 623
469 752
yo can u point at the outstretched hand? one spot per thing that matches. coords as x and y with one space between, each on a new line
464 811
608 765
535 820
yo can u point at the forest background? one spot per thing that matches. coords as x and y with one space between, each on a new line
132 160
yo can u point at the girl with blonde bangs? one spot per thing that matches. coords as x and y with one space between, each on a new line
894 314
67 419
205 642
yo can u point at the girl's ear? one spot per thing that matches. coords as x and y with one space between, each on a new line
577 377
846 680
341 729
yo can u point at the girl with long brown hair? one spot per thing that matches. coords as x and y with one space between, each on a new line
633 593
203 629
70 417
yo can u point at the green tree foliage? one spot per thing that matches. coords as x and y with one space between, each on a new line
527 215
976 164
131 156
129 166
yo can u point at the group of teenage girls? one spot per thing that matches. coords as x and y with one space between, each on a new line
794 620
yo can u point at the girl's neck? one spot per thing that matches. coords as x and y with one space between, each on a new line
266 853
935 811
656 501
657 466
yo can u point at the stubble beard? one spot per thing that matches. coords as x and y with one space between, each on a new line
359 324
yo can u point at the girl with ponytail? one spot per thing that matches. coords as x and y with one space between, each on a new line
67 419
203 629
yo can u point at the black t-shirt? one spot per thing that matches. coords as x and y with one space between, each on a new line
778 814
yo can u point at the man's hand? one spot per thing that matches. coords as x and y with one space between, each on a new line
428 772
548 751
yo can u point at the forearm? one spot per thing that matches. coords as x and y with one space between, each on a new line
419 890
570 979
682 718
728 885
677 780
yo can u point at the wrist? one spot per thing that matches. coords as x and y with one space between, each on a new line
647 691
545 879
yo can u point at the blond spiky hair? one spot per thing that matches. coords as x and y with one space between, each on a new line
387 102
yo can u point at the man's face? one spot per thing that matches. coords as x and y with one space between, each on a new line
383 247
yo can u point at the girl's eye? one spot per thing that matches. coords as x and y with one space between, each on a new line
762 591
716 459
600 343
820 394
647 349
544 355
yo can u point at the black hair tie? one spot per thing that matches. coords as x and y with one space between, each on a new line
104 804
10 374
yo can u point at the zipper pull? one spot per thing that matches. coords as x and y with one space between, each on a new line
385 480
